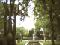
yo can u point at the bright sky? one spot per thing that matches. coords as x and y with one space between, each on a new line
28 22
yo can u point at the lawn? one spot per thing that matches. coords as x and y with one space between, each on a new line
48 42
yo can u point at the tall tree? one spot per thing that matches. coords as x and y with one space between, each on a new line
51 11
1 16
5 22
41 14
9 34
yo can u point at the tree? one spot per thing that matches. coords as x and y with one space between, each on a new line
1 23
51 11
42 16
22 9
22 31
8 32
1 16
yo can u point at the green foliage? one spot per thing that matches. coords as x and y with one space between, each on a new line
25 2
43 21
43 17
41 10
41 13
22 31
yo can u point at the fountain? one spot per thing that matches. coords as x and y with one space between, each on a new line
30 10
34 35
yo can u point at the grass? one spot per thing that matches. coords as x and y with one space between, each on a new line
21 42
48 42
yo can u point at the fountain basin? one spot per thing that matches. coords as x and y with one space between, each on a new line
33 42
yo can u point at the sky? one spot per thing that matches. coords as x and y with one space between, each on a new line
28 22
16 2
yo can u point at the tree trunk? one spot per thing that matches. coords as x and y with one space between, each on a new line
12 30
14 27
6 12
9 35
44 13
51 21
